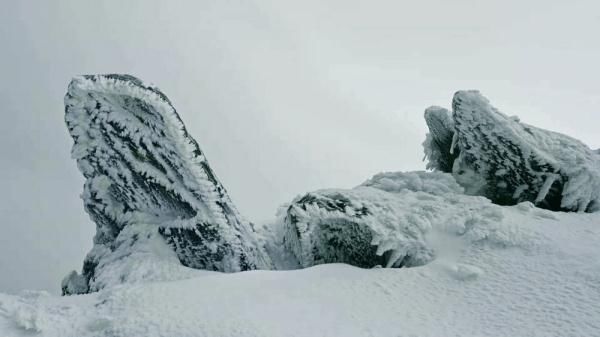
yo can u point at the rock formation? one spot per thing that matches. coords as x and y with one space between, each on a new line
159 208
507 161
148 185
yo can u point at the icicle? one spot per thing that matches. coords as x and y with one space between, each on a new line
396 255
454 141
550 179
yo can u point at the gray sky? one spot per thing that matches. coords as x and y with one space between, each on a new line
283 97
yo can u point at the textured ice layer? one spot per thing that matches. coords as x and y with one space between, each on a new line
147 180
499 157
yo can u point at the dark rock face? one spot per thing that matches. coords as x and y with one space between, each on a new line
497 156
142 168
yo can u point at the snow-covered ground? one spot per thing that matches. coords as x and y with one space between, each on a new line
546 284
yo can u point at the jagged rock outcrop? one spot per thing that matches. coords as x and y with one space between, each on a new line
385 221
148 188
497 156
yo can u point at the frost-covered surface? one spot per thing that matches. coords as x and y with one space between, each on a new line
147 182
386 220
431 182
543 282
479 269
508 161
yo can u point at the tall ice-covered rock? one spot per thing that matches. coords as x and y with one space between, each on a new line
149 188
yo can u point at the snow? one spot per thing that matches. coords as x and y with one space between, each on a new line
367 226
545 284
431 182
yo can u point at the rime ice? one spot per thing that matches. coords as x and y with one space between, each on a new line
147 177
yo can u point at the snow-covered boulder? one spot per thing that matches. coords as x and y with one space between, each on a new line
501 158
387 221
148 188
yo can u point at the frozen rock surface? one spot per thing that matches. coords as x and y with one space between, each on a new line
501 158
386 221
148 188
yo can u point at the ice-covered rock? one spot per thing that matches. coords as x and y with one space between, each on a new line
386 221
147 183
501 158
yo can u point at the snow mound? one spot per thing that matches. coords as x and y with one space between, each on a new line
497 156
146 178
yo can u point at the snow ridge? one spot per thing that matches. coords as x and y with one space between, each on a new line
142 168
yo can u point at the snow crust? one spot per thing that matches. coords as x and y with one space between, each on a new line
544 284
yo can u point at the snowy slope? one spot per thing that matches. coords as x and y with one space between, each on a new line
547 283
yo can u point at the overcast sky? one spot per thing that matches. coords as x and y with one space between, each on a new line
283 97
